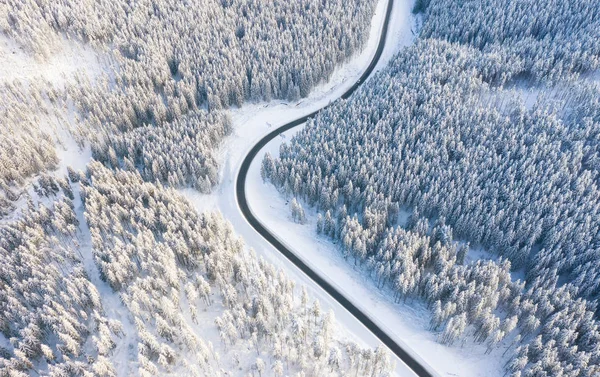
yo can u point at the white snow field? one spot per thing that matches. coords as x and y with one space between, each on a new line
69 59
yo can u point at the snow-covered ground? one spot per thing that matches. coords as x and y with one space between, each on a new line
407 323
57 123
126 348
69 153
251 122
69 59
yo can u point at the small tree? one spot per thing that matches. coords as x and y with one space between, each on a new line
260 366
298 214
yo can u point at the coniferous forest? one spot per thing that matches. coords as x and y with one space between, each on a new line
463 177
166 80
449 134
107 270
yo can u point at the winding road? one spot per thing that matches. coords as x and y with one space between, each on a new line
240 188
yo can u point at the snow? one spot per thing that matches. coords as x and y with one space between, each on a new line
69 59
243 349
4 342
407 323
402 32
69 153
533 94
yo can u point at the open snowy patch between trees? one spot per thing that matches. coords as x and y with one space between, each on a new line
69 59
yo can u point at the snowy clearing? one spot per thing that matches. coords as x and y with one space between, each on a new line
126 347
70 59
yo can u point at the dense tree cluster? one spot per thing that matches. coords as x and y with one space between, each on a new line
172 67
174 269
165 60
548 40
50 313
221 51
27 149
180 153
215 53
429 135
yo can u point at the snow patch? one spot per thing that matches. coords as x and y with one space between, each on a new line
124 356
70 59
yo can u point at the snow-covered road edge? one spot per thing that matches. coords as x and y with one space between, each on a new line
406 323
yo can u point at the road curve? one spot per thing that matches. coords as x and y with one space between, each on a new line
240 188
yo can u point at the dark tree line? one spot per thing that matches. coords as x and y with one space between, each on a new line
548 41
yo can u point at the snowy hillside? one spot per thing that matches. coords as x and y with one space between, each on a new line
124 292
